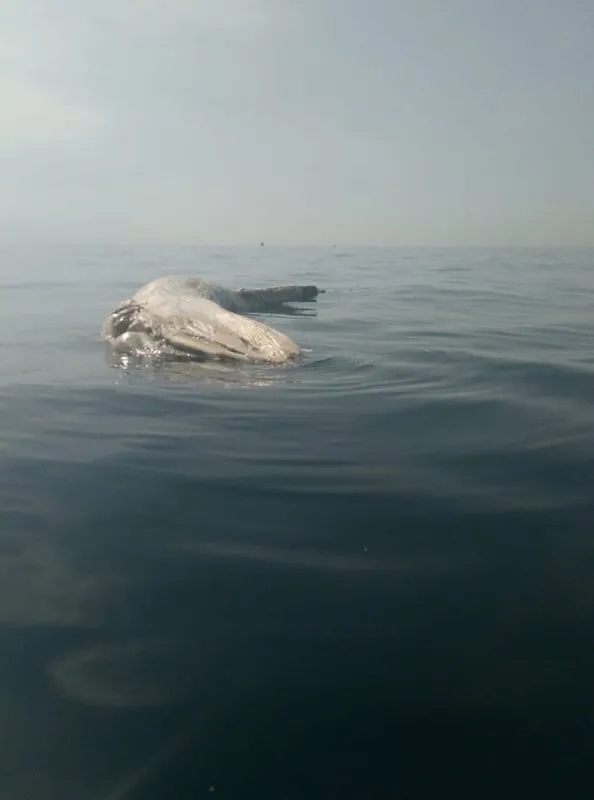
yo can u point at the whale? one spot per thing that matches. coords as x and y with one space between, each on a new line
189 317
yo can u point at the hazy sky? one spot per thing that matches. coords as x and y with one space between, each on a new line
298 121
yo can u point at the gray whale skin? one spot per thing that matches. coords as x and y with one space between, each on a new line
181 315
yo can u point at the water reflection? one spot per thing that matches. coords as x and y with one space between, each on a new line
182 369
41 585
265 655
129 674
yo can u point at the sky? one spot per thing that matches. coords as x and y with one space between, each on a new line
297 122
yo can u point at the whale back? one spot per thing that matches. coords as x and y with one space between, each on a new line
178 294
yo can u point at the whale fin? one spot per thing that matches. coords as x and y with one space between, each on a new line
259 299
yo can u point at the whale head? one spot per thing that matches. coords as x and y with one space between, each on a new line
207 331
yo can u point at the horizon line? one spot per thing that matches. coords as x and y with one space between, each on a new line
278 246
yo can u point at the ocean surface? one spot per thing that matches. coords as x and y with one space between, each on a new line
369 575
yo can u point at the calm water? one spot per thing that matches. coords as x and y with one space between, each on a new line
370 575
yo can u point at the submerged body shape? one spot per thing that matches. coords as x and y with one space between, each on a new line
186 315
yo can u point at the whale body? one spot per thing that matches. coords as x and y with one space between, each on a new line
182 315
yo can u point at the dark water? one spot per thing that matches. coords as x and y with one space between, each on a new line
370 576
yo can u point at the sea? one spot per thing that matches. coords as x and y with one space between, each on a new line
369 574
